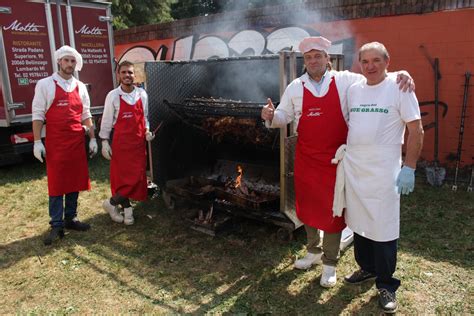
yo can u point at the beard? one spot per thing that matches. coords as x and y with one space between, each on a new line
317 71
67 70
127 82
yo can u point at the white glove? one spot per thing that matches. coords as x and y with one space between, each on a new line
106 150
38 150
93 148
85 128
149 136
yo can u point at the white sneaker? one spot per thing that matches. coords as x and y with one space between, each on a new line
307 261
328 277
128 216
113 211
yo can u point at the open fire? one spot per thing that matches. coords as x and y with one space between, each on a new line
213 116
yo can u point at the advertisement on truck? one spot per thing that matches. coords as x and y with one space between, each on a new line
30 32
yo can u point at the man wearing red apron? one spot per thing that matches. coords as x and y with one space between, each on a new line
316 102
126 110
63 102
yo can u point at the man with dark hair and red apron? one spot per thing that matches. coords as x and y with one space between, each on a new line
316 102
63 102
126 111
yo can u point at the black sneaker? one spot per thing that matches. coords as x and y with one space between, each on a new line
53 234
388 301
75 224
359 276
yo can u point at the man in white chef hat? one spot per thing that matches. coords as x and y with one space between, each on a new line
316 103
62 103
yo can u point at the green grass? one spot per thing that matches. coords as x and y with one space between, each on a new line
161 266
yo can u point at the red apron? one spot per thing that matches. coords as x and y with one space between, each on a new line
128 165
321 130
66 160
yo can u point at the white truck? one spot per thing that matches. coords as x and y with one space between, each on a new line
30 32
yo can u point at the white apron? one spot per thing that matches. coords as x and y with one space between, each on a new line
373 203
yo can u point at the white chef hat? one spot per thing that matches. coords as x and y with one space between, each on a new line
69 51
314 42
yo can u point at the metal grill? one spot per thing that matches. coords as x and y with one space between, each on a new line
194 99
198 108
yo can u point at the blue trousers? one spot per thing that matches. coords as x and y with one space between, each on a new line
379 258
57 209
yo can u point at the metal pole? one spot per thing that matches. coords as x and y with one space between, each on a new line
70 28
283 131
52 42
60 22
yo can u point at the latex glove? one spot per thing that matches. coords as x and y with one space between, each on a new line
268 111
406 180
38 150
93 148
106 150
149 136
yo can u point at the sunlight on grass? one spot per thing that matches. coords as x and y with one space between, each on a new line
302 281
160 266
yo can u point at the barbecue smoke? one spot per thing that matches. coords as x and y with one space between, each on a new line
282 27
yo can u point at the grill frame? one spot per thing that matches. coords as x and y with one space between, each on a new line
178 81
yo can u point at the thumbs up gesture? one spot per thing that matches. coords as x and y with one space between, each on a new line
268 110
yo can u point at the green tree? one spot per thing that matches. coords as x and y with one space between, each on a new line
190 8
128 13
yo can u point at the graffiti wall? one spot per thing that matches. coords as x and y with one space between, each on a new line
413 41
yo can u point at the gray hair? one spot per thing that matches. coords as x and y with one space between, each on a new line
377 46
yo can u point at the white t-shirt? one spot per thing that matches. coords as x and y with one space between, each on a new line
378 114
112 107
45 91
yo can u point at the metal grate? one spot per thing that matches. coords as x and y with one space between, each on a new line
199 108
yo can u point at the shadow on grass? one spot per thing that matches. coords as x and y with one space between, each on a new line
31 169
437 224
242 271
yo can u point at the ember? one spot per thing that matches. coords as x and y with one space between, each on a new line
240 172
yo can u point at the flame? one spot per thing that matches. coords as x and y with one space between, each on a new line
238 180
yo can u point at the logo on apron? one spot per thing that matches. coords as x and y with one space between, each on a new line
314 112
127 115
63 103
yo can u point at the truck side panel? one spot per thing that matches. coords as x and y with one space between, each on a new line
27 50
91 37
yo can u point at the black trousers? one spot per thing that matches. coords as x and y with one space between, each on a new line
379 258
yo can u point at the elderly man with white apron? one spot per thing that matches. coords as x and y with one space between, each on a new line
63 102
126 110
374 178
316 102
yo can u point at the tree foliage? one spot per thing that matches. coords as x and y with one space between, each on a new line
190 8
128 13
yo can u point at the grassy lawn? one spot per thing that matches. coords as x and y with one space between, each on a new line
161 266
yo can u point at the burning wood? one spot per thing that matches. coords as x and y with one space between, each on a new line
205 219
239 184
241 187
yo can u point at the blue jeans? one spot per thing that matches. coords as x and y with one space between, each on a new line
56 208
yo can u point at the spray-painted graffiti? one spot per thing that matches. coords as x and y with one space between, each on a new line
432 124
243 43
